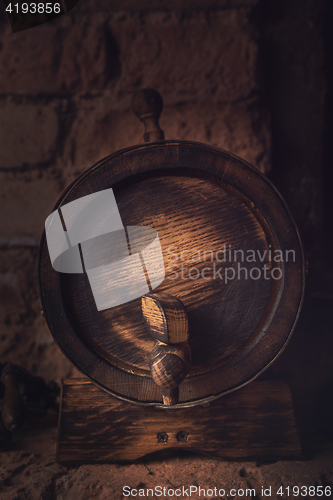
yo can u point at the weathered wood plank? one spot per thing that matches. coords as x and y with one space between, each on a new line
255 422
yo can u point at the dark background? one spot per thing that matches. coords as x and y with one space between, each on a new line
253 77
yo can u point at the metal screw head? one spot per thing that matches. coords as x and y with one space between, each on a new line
162 437
182 436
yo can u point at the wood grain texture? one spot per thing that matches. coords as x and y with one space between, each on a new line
257 422
165 317
166 320
198 199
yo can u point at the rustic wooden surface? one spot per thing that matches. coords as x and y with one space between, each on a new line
255 422
197 198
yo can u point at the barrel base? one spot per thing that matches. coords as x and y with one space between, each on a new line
255 422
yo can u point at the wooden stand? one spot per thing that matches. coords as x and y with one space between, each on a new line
256 422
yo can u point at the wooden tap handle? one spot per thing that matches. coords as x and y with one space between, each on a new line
170 359
165 317
147 105
14 413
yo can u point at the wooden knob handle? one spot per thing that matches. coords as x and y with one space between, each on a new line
14 413
169 364
170 359
147 105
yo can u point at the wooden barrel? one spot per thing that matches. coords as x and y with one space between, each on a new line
232 255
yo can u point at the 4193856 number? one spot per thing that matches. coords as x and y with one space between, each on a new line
34 8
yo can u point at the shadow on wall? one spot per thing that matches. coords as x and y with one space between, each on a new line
293 61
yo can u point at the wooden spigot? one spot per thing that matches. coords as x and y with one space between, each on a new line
147 105
170 359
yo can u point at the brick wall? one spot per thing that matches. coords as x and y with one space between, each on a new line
65 93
